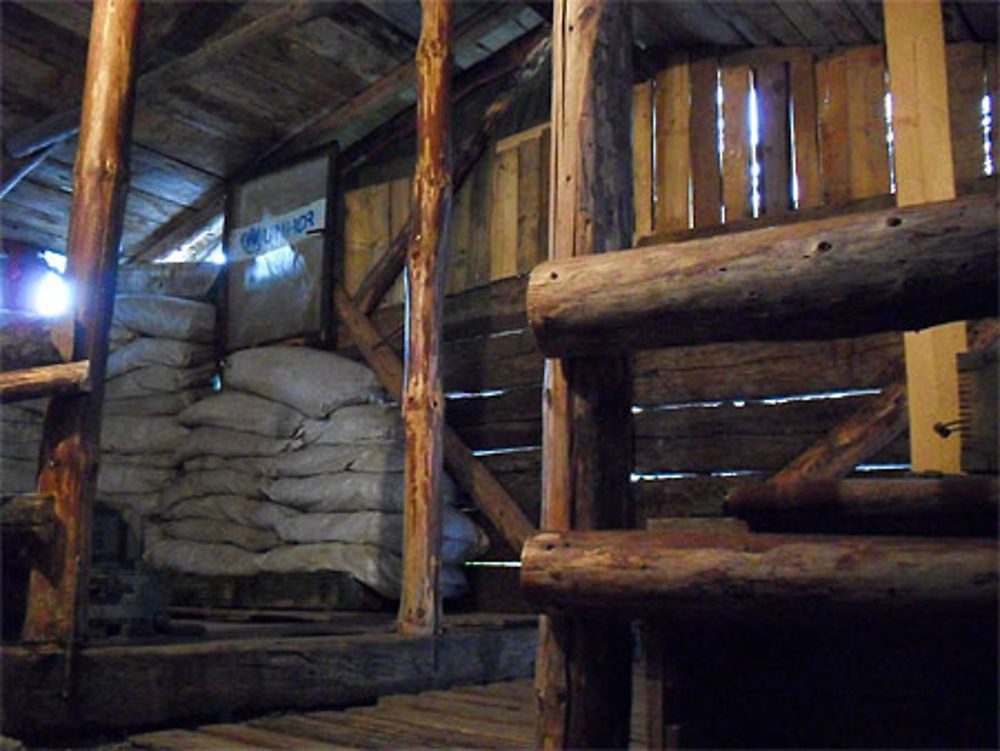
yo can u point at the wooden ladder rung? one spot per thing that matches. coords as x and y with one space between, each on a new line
46 380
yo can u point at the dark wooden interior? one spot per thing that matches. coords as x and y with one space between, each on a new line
606 414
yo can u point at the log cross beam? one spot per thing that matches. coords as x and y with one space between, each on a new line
57 595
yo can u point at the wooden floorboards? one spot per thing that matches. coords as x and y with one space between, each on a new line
491 716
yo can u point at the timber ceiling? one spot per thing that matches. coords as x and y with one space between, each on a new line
227 86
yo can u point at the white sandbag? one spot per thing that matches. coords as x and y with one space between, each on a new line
199 558
161 460
460 539
119 336
20 449
230 443
156 379
345 491
170 317
376 567
142 504
24 432
361 423
238 410
247 511
162 403
323 458
156 351
214 482
18 475
114 477
14 415
258 466
312 381
221 531
36 406
140 435
341 491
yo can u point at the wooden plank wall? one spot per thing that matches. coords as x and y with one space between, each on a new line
709 416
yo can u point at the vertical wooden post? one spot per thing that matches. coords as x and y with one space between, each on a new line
57 598
924 172
423 397
583 674
333 246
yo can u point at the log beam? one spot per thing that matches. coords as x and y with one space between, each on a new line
57 599
925 504
688 575
902 268
470 473
62 379
583 679
423 395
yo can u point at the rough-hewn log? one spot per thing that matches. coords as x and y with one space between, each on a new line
714 575
470 473
171 683
902 268
583 680
382 275
61 379
57 597
819 503
423 394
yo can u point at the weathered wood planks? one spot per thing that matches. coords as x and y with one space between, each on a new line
185 682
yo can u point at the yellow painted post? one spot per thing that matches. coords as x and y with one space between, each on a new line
924 172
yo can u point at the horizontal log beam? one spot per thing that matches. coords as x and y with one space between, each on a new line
49 380
850 275
820 503
695 575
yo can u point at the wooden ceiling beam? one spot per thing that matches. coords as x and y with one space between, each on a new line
63 124
311 134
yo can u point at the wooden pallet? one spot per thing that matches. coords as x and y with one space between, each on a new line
495 715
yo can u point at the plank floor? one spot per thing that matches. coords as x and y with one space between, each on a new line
492 716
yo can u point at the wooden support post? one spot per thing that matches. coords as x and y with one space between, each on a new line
914 34
57 597
423 397
844 276
382 275
583 674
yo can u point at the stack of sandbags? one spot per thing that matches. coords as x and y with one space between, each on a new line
296 466
161 360
20 441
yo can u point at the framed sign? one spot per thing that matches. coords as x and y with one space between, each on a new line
276 254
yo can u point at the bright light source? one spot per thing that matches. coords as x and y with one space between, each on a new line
52 295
